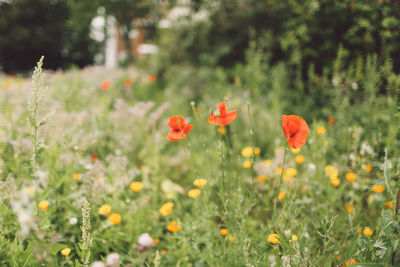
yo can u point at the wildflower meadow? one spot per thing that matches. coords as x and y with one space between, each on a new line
289 156
95 172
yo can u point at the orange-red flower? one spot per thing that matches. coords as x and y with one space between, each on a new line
128 82
152 77
179 128
331 120
95 156
295 129
221 117
105 85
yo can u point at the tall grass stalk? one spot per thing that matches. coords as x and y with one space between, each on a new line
86 243
35 99
33 103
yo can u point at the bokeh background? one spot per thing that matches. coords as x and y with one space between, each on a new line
304 34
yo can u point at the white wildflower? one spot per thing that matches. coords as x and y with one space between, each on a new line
146 240
112 260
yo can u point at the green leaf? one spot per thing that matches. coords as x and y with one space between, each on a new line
56 248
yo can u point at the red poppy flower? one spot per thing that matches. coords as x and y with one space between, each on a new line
295 129
152 77
95 156
179 128
128 82
224 117
105 85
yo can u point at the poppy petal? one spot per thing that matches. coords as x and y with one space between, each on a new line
175 122
175 136
222 107
295 129
224 117
228 118
285 127
213 120
187 128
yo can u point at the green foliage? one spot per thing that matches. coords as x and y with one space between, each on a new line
302 33
57 29
22 44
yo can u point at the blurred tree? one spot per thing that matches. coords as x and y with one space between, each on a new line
59 30
79 48
303 33
29 29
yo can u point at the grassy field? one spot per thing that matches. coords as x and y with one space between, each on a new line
89 177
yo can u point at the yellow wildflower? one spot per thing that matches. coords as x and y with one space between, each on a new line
368 168
77 176
388 205
66 252
200 182
105 209
173 227
281 195
278 170
296 150
231 239
257 151
321 130
335 182
166 209
136 186
247 152
348 207
368 231
294 238
224 231
350 261
114 218
289 174
299 159
378 188
273 238
194 193
247 164
262 178
43 205
331 171
351 177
